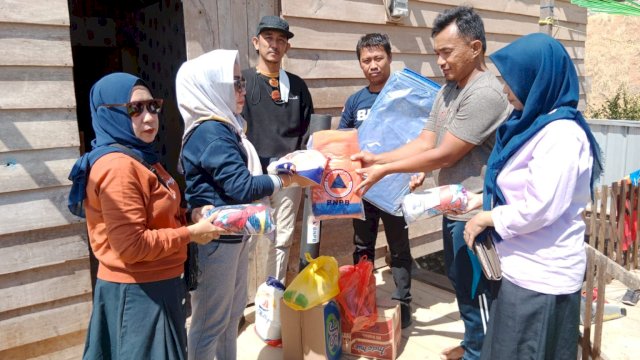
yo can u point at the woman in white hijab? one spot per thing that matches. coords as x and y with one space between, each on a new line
221 167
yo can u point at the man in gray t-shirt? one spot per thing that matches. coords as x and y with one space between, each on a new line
455 144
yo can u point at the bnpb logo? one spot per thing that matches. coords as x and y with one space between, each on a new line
338 183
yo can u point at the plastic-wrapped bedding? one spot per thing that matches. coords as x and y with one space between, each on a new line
435 201
309 164
244 219
397 117
336 197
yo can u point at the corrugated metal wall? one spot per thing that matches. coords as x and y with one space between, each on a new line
620 143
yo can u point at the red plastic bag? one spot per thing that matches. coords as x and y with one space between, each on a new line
357 296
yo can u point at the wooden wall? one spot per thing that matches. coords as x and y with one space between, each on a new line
45 287
327 31
224 24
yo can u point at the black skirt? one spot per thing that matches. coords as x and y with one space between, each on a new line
138 321
525 324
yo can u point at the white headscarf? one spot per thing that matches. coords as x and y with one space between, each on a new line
204 90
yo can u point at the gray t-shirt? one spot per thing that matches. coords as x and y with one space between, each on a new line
471 114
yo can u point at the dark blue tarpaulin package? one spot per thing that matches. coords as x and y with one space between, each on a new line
397 116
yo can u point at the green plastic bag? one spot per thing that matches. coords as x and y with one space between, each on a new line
315 284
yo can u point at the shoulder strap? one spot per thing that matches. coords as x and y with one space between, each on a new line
125 150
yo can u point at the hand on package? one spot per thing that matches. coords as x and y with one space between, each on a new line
474 201
198 213
370 176
366 158
203 231
416 181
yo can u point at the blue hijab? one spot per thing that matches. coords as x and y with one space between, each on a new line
111 125
541 74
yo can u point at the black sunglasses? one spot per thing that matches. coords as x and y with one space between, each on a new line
240 84
135 108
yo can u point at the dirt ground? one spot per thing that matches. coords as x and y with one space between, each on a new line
612 56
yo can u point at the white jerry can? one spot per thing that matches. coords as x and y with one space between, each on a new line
267 303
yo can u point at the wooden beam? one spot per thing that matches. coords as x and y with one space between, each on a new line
34 210
23 290
31 129
69 346
24 87
50 12
42 248
629 279
32 45
70 317
30 170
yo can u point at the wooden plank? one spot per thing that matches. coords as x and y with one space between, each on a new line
29 170
564 10
36 87
586 333
372 11
601 284
200 27
255 11
70 317
421 20
401 44
69 346
41 248
45 285
33 210
603 219
32 45
620 222
630 279
51 12
37 129
313 63
232 25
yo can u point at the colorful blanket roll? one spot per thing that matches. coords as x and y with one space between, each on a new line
432 202
244 219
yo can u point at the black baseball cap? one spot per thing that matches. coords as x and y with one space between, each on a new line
274 23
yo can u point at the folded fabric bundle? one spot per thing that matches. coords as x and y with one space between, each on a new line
306 163
397 116
335 197
244 219
432 202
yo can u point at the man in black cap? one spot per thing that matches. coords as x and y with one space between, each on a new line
277 109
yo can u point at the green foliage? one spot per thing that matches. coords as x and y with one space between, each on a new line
621 106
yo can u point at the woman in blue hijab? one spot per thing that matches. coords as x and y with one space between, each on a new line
136 228
539 179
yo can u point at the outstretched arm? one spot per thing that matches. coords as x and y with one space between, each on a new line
450 150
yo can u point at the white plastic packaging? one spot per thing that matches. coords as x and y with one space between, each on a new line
267 303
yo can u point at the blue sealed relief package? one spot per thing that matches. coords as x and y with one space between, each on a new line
397 116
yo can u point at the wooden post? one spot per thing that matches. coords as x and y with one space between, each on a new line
546 11
586 322
635 190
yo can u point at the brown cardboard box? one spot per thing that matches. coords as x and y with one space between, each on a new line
380 341
311 334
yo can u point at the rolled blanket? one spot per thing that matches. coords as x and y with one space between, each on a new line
306 163
432 202
244 219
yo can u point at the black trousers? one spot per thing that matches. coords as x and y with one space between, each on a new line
395 228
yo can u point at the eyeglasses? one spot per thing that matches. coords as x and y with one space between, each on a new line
135 108
240 84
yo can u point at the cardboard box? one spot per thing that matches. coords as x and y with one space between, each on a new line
380 341
311 334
